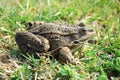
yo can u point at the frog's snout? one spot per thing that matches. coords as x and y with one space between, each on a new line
90 31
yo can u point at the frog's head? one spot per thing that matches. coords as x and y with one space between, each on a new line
85 33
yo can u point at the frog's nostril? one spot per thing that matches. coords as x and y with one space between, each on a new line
91 30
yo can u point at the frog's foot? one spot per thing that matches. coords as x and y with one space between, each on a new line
66 55
30 43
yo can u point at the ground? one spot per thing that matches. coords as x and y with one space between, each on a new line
98 61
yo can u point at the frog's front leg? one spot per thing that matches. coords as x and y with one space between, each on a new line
66 55
30 43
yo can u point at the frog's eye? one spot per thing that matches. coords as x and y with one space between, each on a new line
83 31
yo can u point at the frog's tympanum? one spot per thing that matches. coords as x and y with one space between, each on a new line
56 39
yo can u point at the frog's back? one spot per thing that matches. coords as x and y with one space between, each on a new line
50 28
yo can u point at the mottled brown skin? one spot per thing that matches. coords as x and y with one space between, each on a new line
50 37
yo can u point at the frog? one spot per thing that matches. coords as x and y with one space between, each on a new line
53 38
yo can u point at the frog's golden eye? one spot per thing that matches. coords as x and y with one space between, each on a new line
83 31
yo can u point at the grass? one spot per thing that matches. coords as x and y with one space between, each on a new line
100 61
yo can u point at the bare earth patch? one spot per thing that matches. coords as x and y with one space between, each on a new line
8 66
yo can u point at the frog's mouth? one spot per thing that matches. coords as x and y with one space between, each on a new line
84 38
